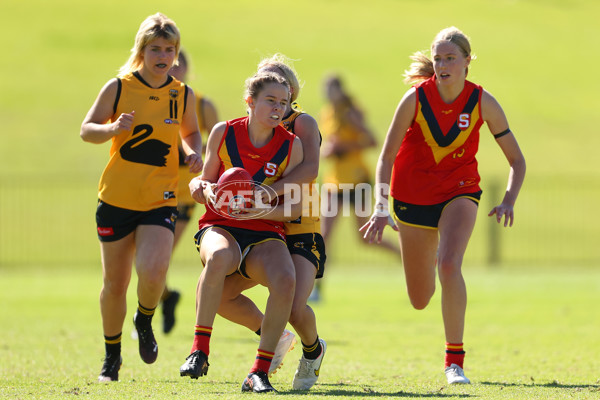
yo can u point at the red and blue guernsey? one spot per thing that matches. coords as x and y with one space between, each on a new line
265 164
436 160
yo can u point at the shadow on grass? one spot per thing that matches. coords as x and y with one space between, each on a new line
365 392
553 384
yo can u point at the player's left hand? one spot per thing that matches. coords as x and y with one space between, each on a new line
194 161
503 210
373 229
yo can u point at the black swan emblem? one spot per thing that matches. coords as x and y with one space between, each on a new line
151 151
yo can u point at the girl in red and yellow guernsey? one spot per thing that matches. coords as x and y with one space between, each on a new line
304 243
143 112
267 151
429 154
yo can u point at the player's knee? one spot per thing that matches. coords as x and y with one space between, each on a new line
219 262
284 286
115 288
449 269
420 298
298 313
419 303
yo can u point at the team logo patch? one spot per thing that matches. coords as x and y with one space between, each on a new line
467 182
170 121
464 120
105 231
168 195
270 169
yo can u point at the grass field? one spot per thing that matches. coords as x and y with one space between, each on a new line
531 334
532 323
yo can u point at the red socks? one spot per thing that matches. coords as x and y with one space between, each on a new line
202 339
454 354
263 361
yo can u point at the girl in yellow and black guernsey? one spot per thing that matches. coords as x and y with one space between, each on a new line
142 111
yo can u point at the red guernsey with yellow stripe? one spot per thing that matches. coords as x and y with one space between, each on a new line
436 160
265 164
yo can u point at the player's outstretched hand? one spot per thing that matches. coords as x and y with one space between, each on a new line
505 211
373 229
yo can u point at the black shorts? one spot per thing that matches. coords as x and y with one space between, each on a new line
310 246
114 223
185 211
245 239
427 216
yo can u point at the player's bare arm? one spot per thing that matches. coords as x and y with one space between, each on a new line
201 188
190 135
498 124
373 229
94 128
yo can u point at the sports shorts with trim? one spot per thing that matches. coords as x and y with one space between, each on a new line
114 223
245 239
310 246
427 216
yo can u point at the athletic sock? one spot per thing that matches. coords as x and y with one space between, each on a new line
313 351
112 345
454 354
202 339
262 361
144 315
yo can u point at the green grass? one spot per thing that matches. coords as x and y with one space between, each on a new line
530 334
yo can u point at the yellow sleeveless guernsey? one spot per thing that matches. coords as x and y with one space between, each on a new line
349 167
142 171
309 221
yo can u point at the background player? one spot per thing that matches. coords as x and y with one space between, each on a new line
347 138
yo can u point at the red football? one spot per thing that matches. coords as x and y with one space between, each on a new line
234 188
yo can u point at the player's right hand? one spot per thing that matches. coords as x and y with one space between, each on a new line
202 191
124 123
